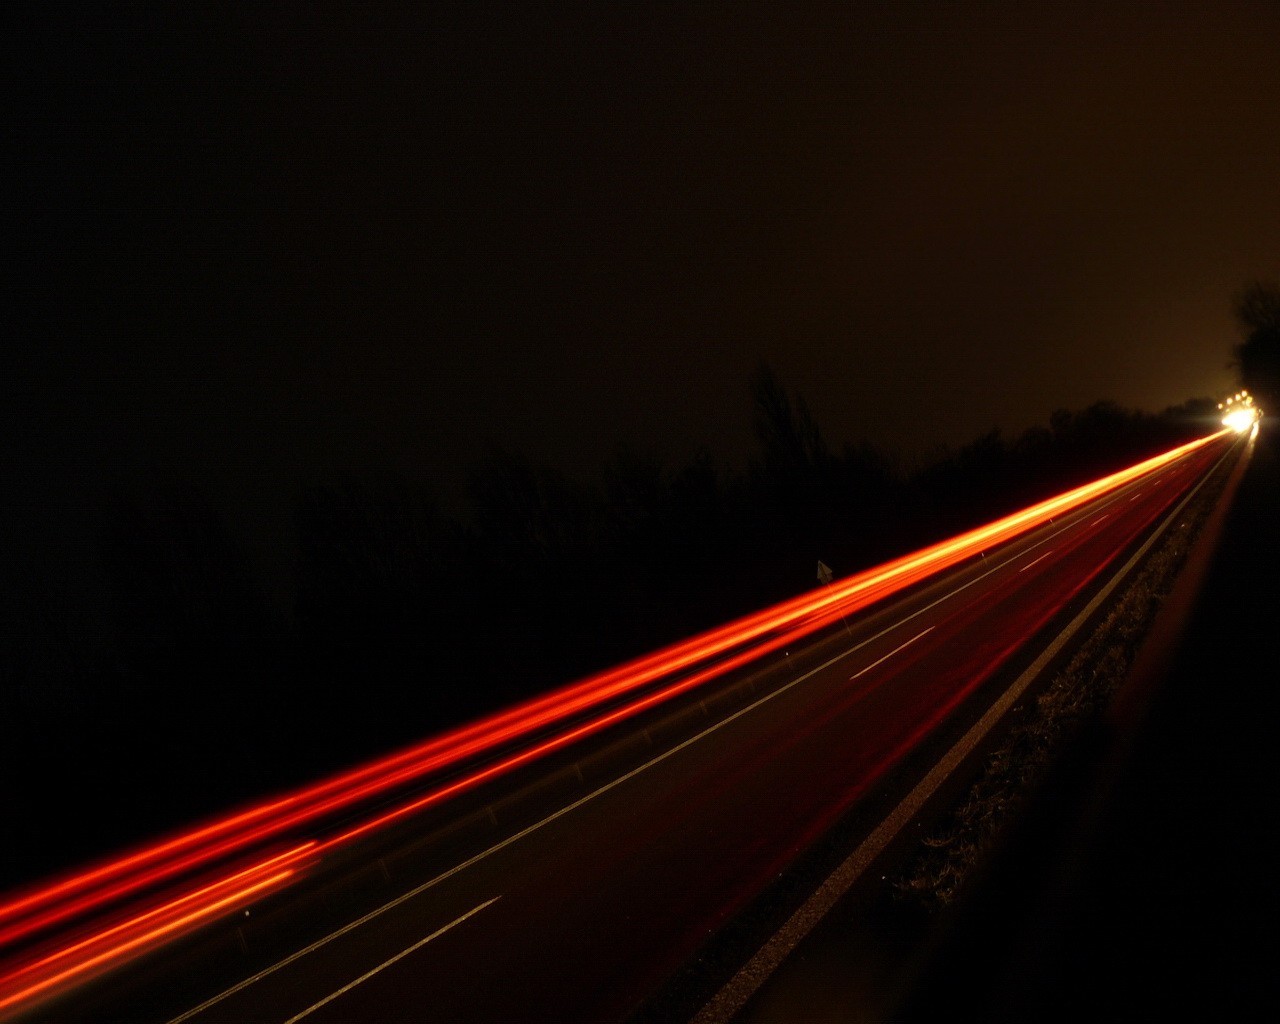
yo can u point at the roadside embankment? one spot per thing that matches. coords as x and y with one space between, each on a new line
1137 878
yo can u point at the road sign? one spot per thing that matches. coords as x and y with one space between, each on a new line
825 575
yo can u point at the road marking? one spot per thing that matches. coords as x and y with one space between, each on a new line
726 1003
1099 519
1136 496
1040 559
387 963
556 815
890 654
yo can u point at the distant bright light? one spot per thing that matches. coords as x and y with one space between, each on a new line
1240 420
100 916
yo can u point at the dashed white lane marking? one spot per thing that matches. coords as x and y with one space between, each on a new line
387 963
890 654
726 1003
1040 559
458 868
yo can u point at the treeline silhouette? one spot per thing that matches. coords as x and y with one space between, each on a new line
404 620
1257 310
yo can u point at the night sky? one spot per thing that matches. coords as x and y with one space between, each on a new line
267 246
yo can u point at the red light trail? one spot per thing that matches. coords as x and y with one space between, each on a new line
195 877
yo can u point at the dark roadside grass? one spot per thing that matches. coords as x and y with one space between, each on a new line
1077 694
1137 878
951 918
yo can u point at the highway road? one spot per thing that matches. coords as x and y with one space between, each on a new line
574 888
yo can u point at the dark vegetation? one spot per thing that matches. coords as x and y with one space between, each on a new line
1146 831
1076 698
1258 356
200 693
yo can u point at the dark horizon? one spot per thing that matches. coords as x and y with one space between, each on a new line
370 371
284 242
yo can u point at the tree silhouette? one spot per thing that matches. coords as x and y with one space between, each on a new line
405 620
792 443
1258 356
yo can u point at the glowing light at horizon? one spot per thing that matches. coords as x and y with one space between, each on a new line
194 865
1240 420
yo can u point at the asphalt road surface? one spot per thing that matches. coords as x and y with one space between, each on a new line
574 897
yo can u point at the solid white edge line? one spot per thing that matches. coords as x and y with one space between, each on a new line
752 975
881 661
392 904
387 963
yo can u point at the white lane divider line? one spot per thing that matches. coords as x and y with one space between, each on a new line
1135 497
726 1003
890 654
1040 559
387 963
1099 519
715 726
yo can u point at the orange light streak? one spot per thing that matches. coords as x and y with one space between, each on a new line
740 642
581 732
122 865
163 911
163 932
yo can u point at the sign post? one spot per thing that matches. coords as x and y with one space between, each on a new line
825 576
